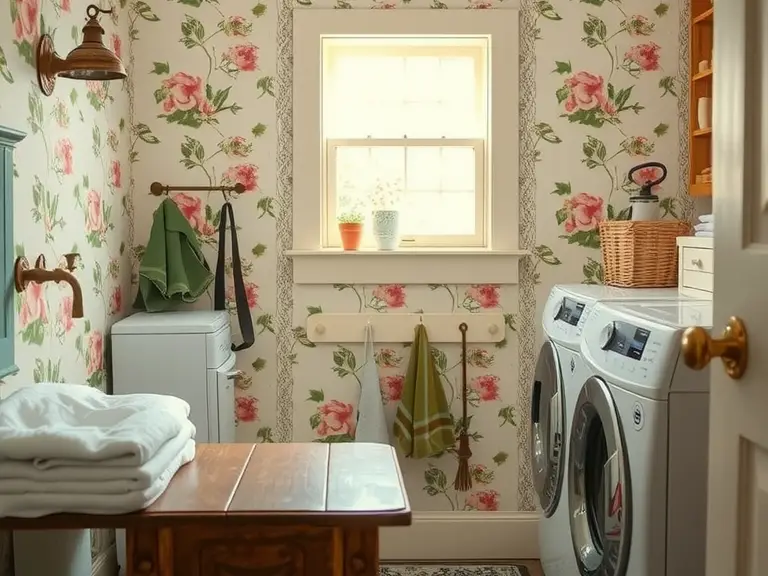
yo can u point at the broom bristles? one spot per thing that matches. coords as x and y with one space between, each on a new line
463 480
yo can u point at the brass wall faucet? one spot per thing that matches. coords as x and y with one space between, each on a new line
23 274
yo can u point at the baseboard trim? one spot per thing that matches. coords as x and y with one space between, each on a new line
105 562
463 536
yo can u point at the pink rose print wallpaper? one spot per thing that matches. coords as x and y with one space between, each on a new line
71 174
207 102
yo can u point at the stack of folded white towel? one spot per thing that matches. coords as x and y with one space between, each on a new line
706 226
71 448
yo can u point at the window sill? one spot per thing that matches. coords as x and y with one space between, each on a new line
406 266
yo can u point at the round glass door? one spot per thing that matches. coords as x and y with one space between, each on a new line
599 498
547 418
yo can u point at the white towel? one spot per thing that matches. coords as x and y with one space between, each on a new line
18 477
34 505
371 421
705 227
707 218
74 425
705 234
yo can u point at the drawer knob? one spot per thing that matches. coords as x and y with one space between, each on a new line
145 567
697 262
358 565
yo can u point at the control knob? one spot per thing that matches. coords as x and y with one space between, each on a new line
558 309
607 335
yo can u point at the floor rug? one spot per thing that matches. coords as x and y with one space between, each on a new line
445 570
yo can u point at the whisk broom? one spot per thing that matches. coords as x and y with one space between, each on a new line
463 480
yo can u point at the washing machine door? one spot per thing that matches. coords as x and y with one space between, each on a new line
547 421
599 497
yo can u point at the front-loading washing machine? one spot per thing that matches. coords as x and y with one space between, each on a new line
637 463
559 374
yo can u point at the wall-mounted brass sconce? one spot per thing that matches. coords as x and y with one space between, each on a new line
23 274
89 61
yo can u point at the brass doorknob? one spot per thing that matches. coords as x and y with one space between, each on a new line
699 348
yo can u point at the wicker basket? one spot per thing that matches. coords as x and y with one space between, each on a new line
641 254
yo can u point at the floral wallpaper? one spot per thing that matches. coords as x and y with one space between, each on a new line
70 194
603 90
208 109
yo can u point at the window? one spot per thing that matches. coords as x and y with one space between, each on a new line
415 110
405 124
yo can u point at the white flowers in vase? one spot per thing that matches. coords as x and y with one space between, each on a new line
385 201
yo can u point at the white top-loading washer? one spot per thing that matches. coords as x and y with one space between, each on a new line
637 465
559 374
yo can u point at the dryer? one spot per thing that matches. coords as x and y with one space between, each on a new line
637 464
559 373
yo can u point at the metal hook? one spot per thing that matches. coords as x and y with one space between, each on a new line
421 319
368 323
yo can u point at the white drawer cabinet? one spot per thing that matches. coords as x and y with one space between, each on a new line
696 267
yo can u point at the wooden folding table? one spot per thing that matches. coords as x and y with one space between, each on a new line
310 509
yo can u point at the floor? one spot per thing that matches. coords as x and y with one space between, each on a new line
534 566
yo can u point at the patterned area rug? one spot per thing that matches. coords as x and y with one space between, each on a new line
438 570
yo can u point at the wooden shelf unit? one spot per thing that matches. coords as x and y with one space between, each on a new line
702 75
704 16
704 189
700 86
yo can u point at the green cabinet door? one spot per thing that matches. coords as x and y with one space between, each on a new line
8 139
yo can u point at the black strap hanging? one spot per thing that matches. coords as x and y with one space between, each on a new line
241 298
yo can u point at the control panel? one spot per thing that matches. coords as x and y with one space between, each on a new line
635 351
564 318
625 339
570 311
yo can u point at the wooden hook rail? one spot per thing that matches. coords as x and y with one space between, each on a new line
157 189
344 327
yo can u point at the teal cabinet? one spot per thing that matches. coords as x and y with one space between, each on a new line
8 139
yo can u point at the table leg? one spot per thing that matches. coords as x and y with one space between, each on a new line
361 552
149 552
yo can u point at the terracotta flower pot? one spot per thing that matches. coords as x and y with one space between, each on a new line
351 234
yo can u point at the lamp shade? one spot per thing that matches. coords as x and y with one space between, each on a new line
91 60
93 63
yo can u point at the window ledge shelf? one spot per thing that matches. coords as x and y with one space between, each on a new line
406 266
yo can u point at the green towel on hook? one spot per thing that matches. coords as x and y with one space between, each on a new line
423 424
173 269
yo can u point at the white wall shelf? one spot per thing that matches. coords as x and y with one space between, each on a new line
406 266
350 327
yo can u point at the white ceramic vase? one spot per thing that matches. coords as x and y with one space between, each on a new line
386 229
704 113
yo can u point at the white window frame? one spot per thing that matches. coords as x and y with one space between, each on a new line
470 47
492 261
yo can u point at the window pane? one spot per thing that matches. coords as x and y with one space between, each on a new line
423 169
431 213
434 186
403 95
458 169
422 79
359 169
457 79
423 120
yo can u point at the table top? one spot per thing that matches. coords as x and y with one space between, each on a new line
344 484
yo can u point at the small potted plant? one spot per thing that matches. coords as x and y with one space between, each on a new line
350 230
386 217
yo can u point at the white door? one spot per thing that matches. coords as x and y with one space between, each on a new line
737 524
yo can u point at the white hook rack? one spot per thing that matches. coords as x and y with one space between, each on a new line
389 327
